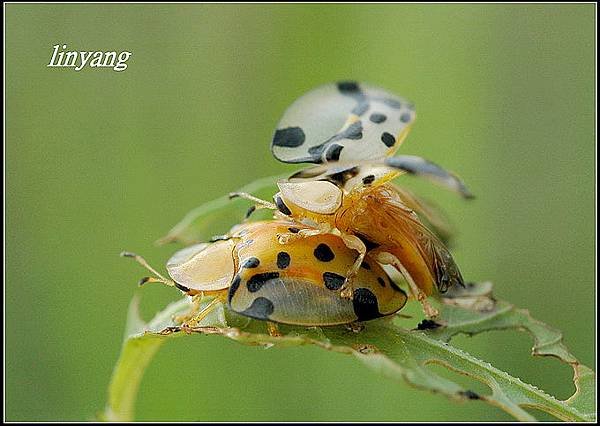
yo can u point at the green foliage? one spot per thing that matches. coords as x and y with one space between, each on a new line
382 345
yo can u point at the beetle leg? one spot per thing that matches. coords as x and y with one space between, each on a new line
389 259
193 318
354 327
158 278
288 237
181 319
273 329
354 243
258 203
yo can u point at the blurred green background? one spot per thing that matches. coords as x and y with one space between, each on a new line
99 161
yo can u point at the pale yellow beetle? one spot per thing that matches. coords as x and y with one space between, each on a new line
298 283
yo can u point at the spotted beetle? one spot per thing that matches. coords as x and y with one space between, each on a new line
351 132
298 283
344 125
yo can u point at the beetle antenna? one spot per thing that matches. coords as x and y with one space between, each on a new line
159 278
258 201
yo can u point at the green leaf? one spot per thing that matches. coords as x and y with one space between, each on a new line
142 340
384 347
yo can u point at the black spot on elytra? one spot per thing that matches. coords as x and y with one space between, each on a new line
324 253
405 118
283 260
291 137
353 131
365 304
252 262
368 180
428 324
388 139
233 287
469 394
393 103
261 308
333 152
348 87
293 230
381 281
182 287
377 118
365 265
256 282
281 206
333 281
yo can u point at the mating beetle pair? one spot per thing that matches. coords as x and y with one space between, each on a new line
318 261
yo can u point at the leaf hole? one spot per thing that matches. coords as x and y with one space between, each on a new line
510 351
473 388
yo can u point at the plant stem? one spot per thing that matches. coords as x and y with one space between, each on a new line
125 382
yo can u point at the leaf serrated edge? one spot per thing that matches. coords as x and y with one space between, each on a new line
498 397
521 319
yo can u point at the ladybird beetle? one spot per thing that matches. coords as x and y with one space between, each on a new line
298 283
352 130
345 121
345 125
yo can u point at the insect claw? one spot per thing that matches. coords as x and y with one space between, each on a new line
187 329
273 330
354 327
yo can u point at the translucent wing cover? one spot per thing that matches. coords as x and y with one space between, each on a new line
203 267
